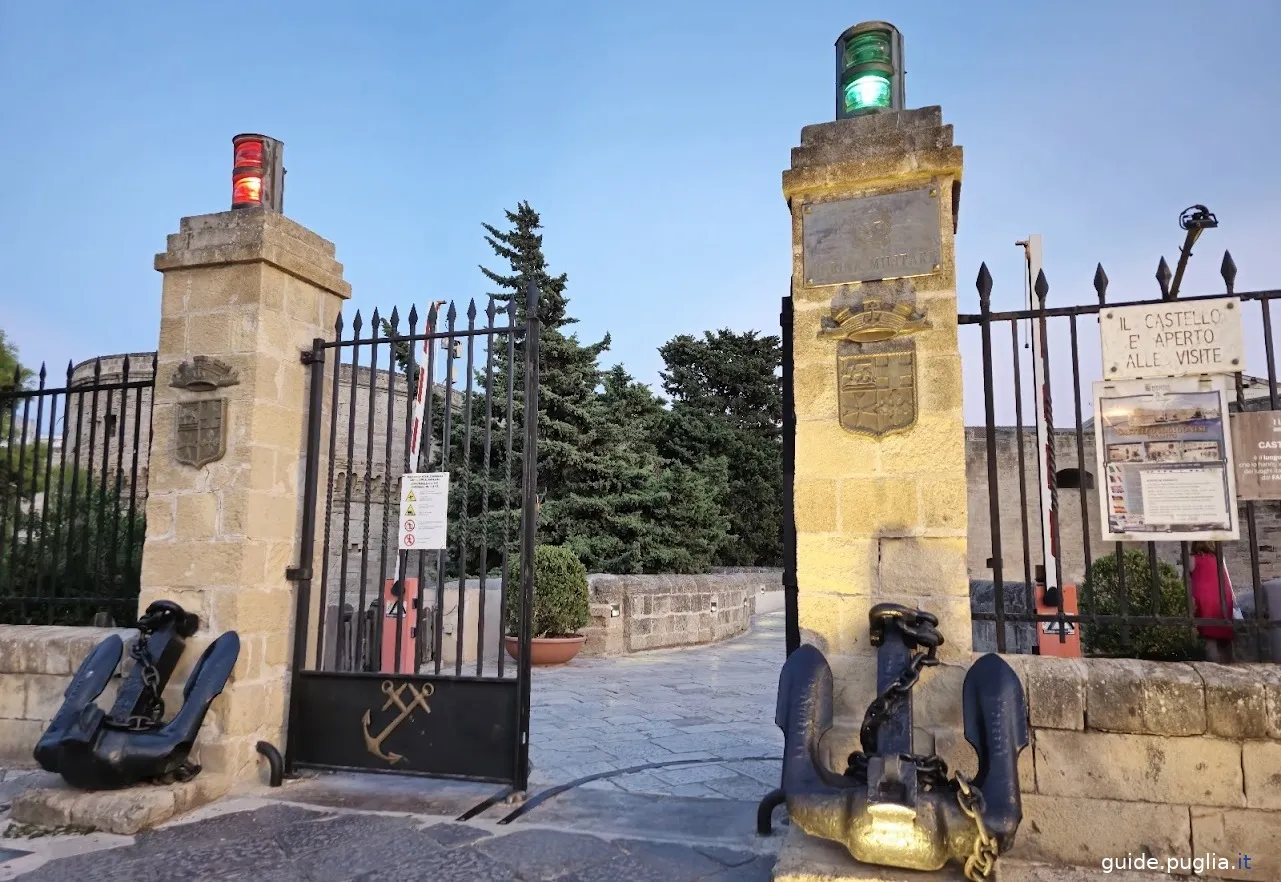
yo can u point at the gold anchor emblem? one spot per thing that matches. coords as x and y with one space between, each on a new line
393 692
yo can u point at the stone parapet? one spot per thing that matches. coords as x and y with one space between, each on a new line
634 613
36 664
1178 760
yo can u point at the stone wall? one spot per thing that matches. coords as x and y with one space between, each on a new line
36 663
634 613
1127 756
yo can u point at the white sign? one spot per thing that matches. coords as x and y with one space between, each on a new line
1172 339
1189 496
1068 629
424 500
1165 455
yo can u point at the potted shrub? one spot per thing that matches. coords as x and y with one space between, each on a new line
560 610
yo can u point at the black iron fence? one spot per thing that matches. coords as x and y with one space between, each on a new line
1135 599
424 597
73 481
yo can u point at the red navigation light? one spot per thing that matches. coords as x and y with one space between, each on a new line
257 175
246 190
248 153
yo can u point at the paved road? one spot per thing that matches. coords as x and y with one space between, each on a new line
292 843
683 823
599 715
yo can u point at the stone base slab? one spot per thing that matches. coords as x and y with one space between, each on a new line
805 858
123 812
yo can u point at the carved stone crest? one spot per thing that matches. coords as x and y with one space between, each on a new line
876 393
872 321
203 374
200 431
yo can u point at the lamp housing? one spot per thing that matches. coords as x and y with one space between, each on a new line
869 70
257 172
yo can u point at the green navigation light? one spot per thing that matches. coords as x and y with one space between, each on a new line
869 70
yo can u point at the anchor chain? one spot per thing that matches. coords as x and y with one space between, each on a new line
921 630
981 863
151 704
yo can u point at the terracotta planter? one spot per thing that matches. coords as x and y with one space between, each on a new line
547 650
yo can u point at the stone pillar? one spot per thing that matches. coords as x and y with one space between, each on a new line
880 492
245 292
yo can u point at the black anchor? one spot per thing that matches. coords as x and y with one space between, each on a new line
94 750
892 807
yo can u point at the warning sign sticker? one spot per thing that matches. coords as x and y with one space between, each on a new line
424 500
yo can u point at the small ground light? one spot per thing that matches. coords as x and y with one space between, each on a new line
869 70
257 172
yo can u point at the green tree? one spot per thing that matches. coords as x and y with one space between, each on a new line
77 554
22 458
727 407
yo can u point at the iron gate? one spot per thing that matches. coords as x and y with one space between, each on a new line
400 656
1145 612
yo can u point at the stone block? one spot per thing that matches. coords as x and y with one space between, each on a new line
825 450
878 507
13 696
1149 768
936 699
835 623
1271 678
814 389
1144 697
939 381
44 695
923 566
950 744
935 440
944 506
1055 692
835 565
1071 830
1261 765
1229 834
123 812
196 516
816 506
17 741
1236 699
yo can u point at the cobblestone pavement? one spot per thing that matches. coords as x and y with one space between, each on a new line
289 843
603 714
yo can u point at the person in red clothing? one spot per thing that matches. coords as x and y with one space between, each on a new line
1210 603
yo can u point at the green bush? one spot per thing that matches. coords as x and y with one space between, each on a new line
560 593
1101 594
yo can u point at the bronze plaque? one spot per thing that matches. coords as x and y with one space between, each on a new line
876 394
870 238
201 431
1256 448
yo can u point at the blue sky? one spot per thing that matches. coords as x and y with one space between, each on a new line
651 137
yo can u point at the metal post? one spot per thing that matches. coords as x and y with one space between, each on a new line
984 284
301 574
529 529
791 598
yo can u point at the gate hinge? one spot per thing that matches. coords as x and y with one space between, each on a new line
313 356
297 574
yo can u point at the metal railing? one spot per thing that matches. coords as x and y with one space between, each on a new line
72 492
1136 598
